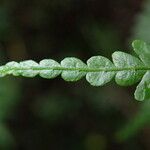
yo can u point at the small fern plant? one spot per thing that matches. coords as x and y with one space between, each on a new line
126 69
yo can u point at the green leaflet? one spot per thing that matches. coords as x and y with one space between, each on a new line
2 71
73 69
27 70
142 49
99 78
143 89
129 75
11 67
49 73
126 69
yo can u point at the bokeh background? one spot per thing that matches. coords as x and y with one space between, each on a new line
41 114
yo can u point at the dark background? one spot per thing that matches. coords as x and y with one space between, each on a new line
42 114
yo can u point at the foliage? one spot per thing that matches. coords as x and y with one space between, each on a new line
142 117
99 70
66 116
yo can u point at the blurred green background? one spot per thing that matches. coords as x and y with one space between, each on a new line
41 114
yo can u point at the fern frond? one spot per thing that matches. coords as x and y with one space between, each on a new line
126 69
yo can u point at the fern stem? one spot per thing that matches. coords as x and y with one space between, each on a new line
87 69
